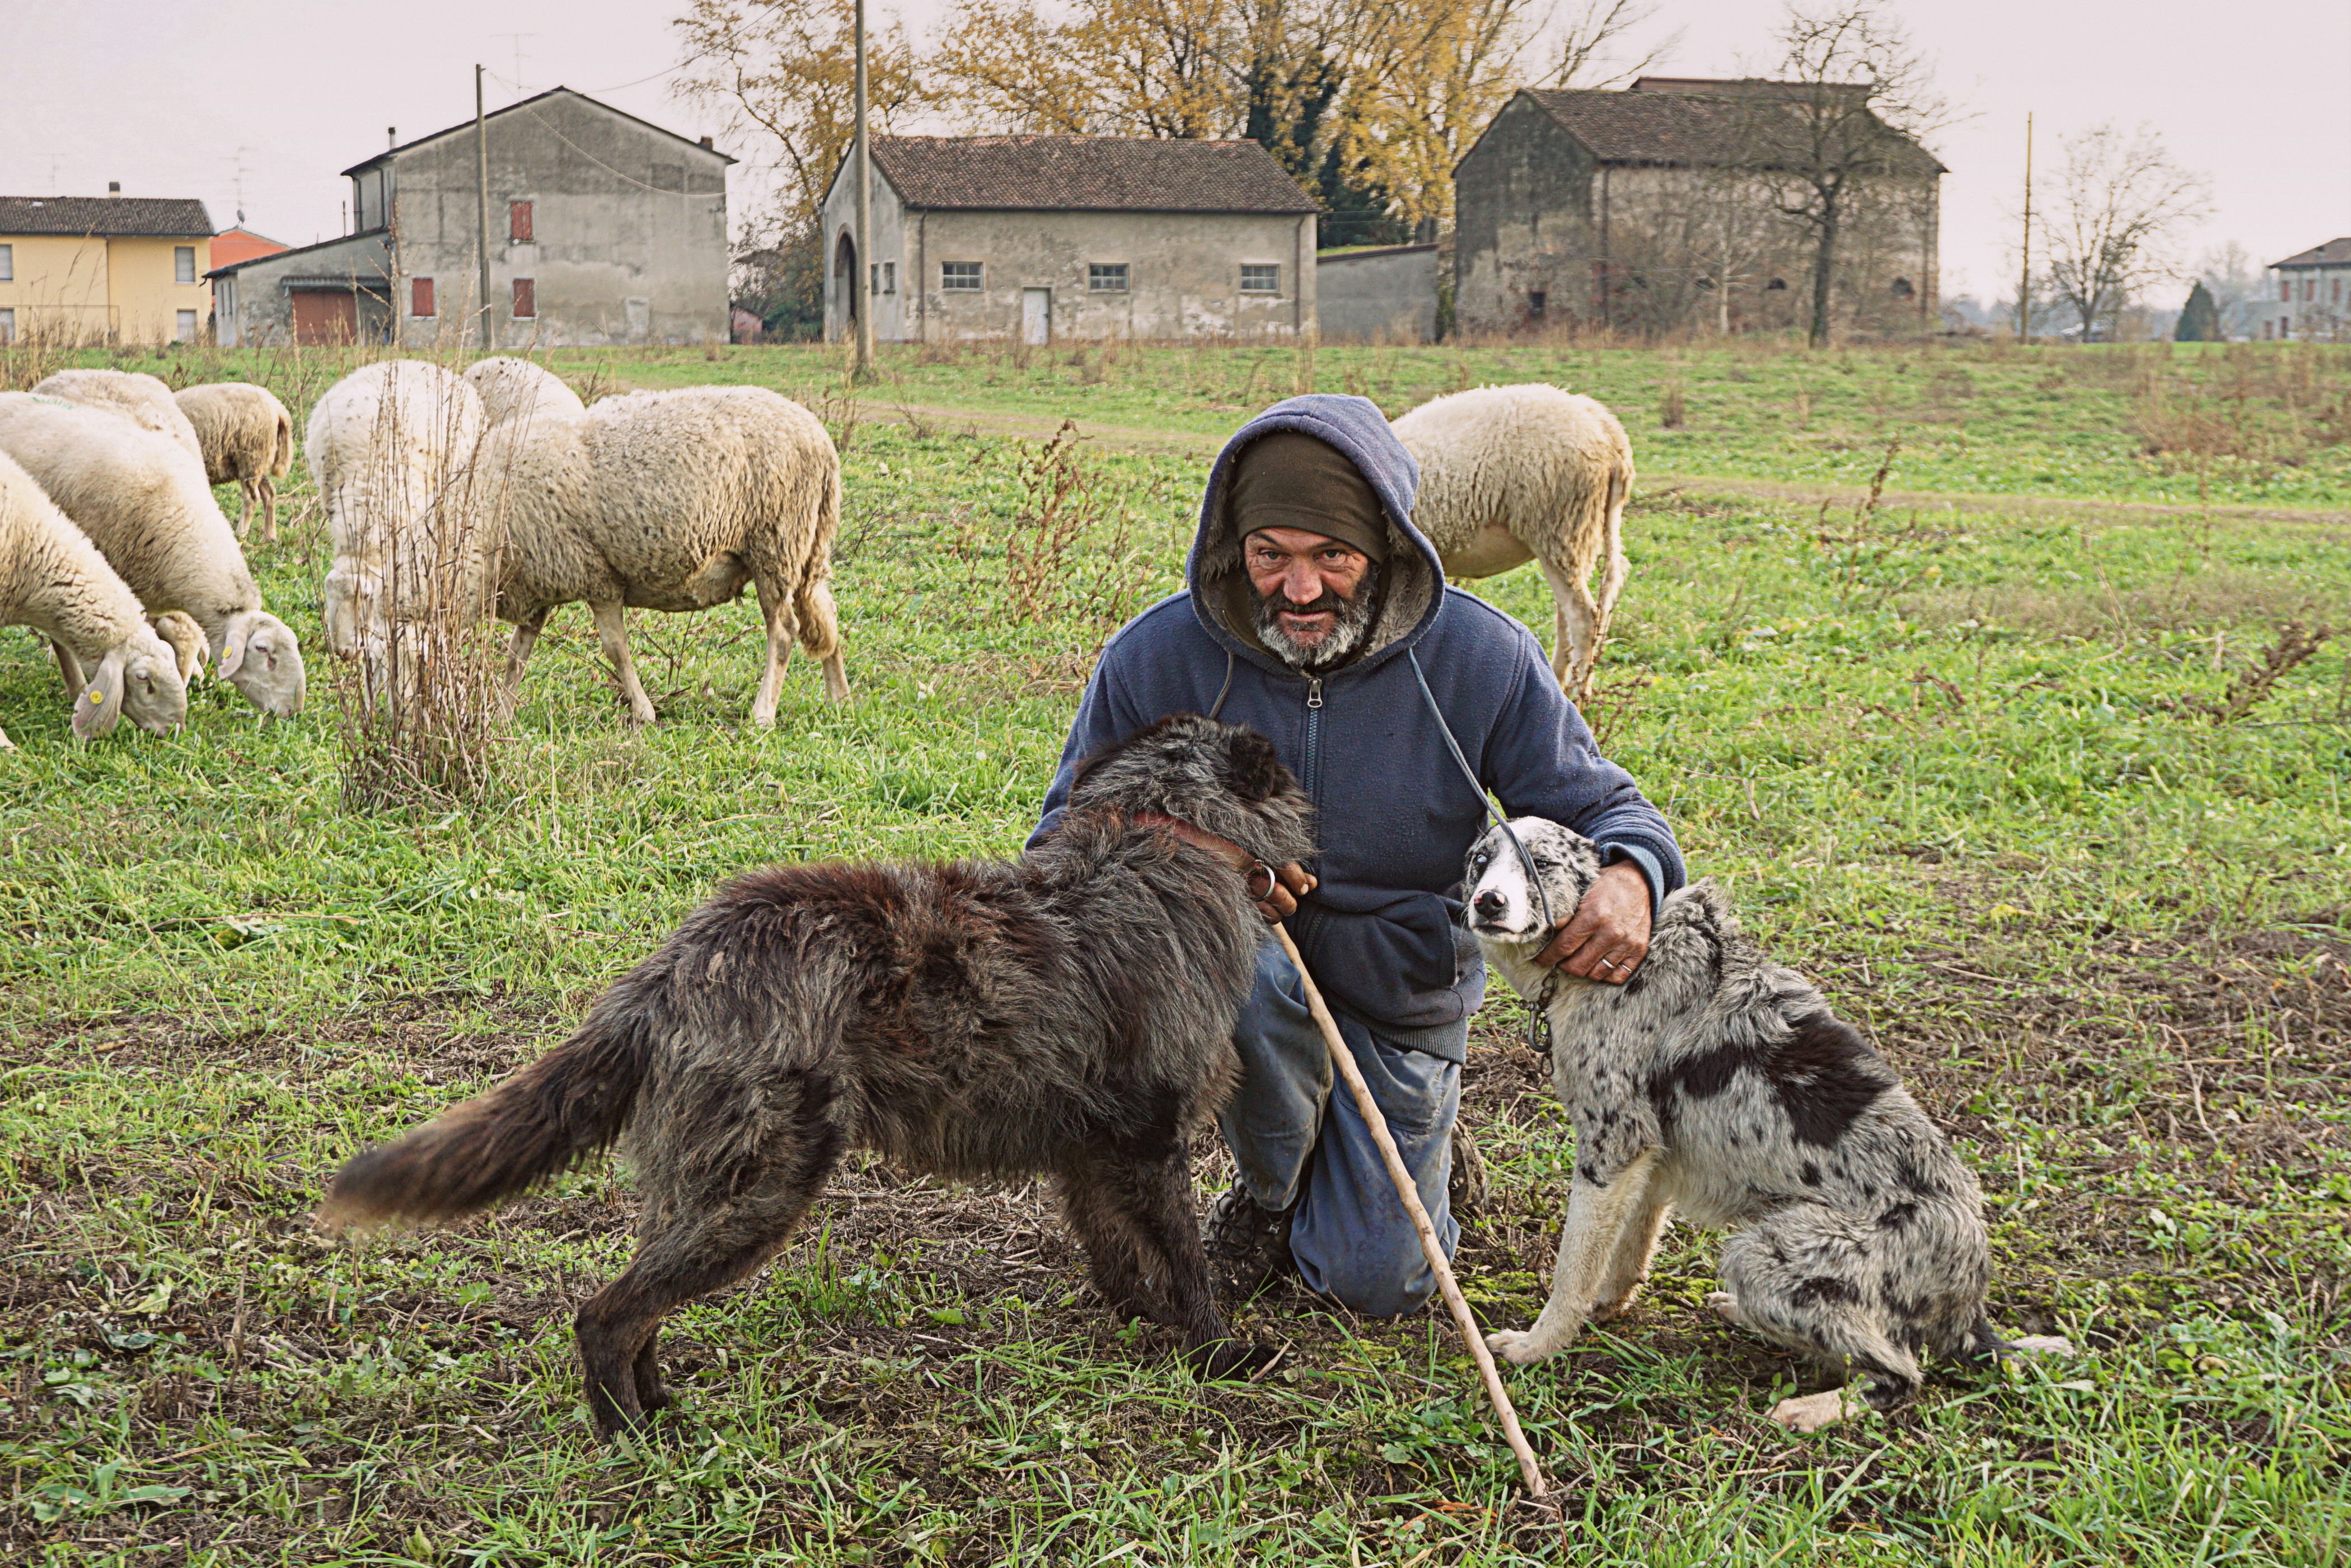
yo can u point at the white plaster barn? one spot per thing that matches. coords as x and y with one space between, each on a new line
602 229
1037 238
2306 298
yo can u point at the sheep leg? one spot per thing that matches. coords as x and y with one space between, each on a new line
1579 622
244 514
70 668
526 638
615 635
776 609
268 485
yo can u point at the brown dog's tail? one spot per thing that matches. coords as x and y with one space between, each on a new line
567 1106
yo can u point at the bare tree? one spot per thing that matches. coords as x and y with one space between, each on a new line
2120 201
2234 279
1587 52
1854 100
783 77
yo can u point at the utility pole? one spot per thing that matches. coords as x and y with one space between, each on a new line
861 285
481 204
2024 277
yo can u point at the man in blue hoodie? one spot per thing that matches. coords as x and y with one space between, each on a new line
1318 614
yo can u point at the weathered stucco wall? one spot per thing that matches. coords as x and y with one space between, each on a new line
628 230
1523 225
1546 238
256 303
1183 272
1385 296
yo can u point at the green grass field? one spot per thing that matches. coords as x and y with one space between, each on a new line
1960 765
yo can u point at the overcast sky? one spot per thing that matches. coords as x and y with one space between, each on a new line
173 99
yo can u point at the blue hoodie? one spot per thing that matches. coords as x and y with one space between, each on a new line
1394 815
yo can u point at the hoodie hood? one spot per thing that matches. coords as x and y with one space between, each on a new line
1413 581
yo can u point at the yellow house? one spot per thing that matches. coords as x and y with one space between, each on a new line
104 269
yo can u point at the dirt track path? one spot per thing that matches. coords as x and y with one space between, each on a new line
1808 493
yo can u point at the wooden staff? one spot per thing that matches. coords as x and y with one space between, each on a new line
1529 1472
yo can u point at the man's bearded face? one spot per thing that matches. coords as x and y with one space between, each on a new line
1354 613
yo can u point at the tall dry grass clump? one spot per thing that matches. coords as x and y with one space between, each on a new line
421 697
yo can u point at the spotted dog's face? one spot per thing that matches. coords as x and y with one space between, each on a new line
1502 909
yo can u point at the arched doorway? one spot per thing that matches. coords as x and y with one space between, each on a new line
845 272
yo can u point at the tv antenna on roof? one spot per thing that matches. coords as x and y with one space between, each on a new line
237 158
517 38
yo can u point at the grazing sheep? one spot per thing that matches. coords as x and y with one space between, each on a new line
143 399
53 579
243 433
509 385
144 504
670 500
1513 474
389 448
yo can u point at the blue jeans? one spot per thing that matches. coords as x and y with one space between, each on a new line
1296 1141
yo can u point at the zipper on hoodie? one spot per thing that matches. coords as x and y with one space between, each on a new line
1314 739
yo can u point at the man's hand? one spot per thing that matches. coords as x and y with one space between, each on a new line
1610 933
1291 882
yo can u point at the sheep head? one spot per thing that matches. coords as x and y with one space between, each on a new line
259 657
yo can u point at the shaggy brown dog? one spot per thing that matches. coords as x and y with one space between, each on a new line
1069 1012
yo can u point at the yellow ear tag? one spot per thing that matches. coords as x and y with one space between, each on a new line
95 697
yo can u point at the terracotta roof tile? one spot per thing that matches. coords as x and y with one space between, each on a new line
1676 127
2333 253
113 216
1086 173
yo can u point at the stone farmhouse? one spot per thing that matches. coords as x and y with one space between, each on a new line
2306 298
1040 238
603 229
1649 210
104 269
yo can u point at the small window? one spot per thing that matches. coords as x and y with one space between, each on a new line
518 222
956 277
184 264
7 263
1105 277
526 300
1536 300
184 329
2286 327
885 278
7 326
2286 286
1775 284
1900 289
1260 277
420 297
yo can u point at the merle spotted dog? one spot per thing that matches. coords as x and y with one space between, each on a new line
1069 1013
1717 1083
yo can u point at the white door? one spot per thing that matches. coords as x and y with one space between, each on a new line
1036 315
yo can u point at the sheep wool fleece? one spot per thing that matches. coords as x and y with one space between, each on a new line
1395 820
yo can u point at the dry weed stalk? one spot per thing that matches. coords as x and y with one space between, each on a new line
1068 549
423 703
2295 646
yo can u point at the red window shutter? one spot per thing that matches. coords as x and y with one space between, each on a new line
420 297
526 300
518 222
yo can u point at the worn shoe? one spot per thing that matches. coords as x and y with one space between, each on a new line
1465 1187
1247 1244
